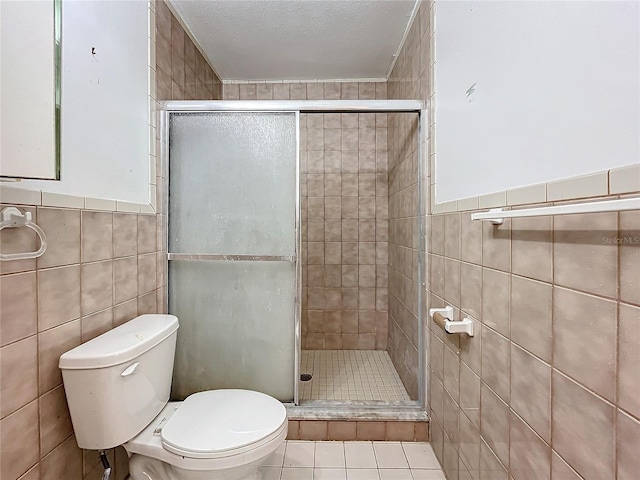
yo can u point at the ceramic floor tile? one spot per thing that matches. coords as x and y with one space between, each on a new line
299 454
329 455
419 474
420 455
390 455
395 474
297 474
276 459
329 474
364 461
359 455
363 474
270 473
350 375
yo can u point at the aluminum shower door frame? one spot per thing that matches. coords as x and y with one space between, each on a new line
312 106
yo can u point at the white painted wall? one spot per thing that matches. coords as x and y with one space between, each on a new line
528 92
105 103
27 89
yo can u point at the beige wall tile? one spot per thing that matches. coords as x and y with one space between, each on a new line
495 362
125 279
531 391
452 281
471 235
146 273
147 303
452 374
532 247
490 466
471 289
452 244
629 359
97 232
146 233
55 422
495 300
529 455
496 245
629 235
51 344
125 234
32 474
470 395
494 423
560 470
470 351
124 312
58 296
19 441
469 446
63 462
97 287
96 324
531 311
628 439
437 234
63 236
587 445
581 257
18 375
18 307
584 339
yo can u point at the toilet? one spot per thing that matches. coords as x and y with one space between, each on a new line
117 387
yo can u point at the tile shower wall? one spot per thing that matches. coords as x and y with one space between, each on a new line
548 387
100 270
406 82
344 190
182 72
402 343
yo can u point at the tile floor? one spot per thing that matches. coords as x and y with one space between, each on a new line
350 375
300 460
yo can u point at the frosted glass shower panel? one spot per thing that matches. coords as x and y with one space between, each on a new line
236 326
234 174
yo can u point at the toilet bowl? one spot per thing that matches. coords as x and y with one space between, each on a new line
218 434
117 388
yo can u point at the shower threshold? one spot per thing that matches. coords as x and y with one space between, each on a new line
368 410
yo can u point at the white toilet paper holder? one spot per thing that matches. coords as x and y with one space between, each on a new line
450 326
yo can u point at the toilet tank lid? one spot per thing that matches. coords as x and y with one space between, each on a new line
121 344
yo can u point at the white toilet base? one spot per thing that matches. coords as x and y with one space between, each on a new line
147 468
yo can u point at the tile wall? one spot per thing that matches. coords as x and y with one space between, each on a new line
548 387
100 270
344 214
402 343
182 72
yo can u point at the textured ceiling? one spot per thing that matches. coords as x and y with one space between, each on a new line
298 39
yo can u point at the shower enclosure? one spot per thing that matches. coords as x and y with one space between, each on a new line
236 247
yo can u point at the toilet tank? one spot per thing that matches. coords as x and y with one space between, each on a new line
118 382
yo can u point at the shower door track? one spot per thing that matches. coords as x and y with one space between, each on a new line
346 409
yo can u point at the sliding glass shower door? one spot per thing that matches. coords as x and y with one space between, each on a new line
233 249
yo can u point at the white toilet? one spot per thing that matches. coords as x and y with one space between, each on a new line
117 388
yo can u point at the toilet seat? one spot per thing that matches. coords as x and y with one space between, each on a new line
149 442
213 423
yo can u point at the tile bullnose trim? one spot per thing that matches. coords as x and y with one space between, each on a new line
616 181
